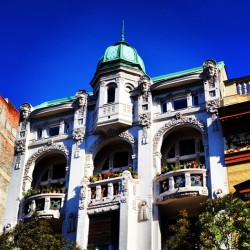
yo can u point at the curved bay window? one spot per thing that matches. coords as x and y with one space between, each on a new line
183 147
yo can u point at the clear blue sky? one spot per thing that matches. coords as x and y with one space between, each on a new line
49 49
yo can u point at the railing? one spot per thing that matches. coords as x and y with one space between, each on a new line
46 205
243 87
106 194
180 183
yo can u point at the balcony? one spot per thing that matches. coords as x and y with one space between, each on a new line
106 195
182 188
45 205
113 116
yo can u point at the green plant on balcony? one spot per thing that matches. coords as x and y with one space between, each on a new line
99 176
92 179
30 192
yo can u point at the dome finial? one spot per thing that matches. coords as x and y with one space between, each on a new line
123 39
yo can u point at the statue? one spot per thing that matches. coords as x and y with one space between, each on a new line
143 211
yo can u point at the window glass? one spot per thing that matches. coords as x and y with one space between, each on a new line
39 133
180 104
54 131
164 107
187 147
120 159
195 100
111 95
58 171
171 153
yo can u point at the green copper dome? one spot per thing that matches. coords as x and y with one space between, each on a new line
121 54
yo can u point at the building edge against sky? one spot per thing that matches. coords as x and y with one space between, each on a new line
155 144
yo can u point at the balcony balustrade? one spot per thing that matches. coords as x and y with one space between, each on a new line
45 205
107 194
181 183
113 113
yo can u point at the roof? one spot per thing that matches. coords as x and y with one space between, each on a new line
220 65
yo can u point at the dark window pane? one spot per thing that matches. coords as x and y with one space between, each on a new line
180 104
187 147
45 176
164 107
54 131
171 152
196 100
120 159
106 165
111 95
58 171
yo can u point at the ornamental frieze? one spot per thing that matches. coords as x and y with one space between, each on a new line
43 150
178 120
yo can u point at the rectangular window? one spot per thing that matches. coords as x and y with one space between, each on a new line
66 128
195 100
54 131
164 107
180 103
212 93
39 133
145 107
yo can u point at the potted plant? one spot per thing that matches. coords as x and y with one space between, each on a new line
99 176
92 179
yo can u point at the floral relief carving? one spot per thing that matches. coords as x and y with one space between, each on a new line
212 107
176 122
20 146
78 134
144 120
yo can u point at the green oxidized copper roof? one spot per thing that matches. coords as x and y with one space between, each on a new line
184 72
121 53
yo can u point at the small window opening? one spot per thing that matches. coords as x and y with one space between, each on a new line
54 131
180 104
111 95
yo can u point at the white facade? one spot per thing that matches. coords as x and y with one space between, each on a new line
165 129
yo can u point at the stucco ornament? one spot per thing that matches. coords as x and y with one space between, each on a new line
143 211
20 146
144 85
209 69
81 96
78 134
144 120
25 110
212 107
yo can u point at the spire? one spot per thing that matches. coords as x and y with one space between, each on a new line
122 38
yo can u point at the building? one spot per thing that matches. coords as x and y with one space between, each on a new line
9 117
155 145
234 115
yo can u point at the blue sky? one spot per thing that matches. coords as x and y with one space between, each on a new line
49 49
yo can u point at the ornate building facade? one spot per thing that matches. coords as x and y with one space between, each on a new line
9 117
131 154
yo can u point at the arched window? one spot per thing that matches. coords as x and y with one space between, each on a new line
111 94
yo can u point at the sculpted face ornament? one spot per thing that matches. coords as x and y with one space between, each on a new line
25 110
144 84
209 68
81 98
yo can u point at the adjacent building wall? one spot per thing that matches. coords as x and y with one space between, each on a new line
9 117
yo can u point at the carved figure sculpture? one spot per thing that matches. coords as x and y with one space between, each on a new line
209 68
143 211
144 84
81 97
25 110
